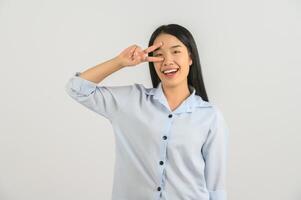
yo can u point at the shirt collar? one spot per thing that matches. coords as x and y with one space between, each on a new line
188 105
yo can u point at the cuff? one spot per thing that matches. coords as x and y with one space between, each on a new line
218 194
81 85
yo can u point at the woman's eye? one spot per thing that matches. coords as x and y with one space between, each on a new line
177 51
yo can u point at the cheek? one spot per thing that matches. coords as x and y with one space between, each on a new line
184 71
182 63
184 67
157 68
181 60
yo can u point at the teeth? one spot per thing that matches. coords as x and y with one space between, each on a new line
170 70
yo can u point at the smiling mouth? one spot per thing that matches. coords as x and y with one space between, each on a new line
171 72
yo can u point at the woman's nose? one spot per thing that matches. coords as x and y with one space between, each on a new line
167 60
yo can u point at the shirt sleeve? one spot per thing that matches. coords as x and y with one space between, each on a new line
104 100
215 152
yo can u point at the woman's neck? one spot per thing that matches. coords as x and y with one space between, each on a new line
175 95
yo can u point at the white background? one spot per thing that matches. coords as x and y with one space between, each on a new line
52 148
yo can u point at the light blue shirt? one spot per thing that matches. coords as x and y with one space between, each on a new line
160 154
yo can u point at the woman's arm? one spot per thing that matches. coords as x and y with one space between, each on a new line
107 100
131 56
215 154
99 72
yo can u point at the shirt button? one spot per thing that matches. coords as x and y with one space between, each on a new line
161 162
164 137
170 115
159 188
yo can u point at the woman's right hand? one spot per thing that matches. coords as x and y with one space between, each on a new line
134 55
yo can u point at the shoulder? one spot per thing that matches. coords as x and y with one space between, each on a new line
218 120
214 111
202 103
217 111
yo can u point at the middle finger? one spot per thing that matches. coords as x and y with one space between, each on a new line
153 47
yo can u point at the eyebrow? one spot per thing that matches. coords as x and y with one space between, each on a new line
175 46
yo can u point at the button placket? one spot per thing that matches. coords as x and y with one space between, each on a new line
163 159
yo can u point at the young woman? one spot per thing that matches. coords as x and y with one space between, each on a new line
171 143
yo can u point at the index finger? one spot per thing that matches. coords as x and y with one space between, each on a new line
153 47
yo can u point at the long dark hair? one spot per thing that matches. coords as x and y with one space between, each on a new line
195 77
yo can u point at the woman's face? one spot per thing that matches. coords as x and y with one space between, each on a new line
176 56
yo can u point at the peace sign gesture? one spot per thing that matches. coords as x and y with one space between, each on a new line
134 55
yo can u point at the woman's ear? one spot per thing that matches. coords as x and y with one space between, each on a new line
190 59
